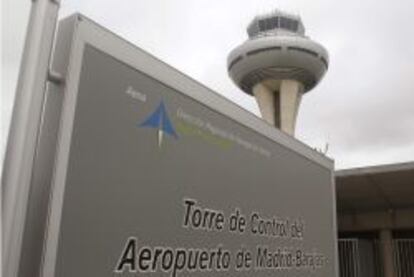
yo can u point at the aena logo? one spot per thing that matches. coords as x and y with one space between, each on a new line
159 120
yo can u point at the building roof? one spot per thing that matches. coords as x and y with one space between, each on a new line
377 188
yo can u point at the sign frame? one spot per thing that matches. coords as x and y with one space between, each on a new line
82 32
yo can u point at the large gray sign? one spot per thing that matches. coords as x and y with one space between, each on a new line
156 175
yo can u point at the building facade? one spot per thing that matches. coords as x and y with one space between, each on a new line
375 208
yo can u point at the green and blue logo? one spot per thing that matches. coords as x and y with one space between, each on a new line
160 120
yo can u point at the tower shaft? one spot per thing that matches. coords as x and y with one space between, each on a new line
278 101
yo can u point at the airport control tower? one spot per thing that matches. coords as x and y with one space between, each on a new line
278 64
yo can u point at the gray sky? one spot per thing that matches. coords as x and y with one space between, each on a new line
364 107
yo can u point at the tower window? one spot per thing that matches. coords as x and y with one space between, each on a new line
262 25
289 24
278 22
268 24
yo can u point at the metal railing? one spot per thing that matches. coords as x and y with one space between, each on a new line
348 257
404 257
362 258
359 258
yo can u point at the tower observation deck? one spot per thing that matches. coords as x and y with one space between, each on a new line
277 65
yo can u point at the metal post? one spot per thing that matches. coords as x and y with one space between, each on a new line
24 128
387 252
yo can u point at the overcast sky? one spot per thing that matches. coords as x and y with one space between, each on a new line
363 108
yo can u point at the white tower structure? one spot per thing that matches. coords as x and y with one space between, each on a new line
278 64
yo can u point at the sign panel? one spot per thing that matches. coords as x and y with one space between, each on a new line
153 181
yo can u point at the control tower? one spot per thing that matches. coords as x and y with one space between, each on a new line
277 65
